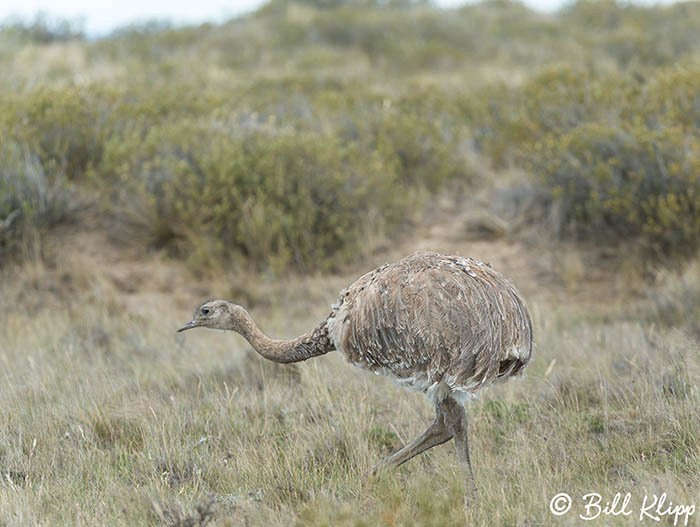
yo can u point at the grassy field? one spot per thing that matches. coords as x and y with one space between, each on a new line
156 168
110 417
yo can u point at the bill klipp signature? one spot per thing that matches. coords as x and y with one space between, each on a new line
652 507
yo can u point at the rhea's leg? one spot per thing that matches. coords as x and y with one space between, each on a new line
436 434
456 422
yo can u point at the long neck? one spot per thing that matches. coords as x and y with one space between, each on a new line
301 348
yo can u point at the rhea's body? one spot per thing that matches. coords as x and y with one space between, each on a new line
442 325
446 326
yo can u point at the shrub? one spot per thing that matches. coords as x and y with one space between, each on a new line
420 140
291 171
634 36
297 174
31 201
614 184
611 158
510 119
336 105
45 30
273 198
64 127
668 98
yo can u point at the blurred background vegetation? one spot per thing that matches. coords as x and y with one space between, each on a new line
291 137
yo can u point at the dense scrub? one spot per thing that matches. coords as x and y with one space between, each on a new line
31 202
279 173
297 135
611 158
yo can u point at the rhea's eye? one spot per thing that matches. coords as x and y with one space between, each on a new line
205 311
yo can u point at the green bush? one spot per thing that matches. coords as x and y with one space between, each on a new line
633 36
667 99
612 158
615 184
287 172
508 119
64 127
45 30
273 198
283 137
292 171
31 201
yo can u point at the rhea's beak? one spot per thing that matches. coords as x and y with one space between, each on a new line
191 324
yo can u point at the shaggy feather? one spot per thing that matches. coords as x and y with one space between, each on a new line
439 324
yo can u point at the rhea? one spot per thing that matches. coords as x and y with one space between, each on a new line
446 326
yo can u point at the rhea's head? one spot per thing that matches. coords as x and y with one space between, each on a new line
217 314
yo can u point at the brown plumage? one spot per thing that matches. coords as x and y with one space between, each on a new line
443 325
431 319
